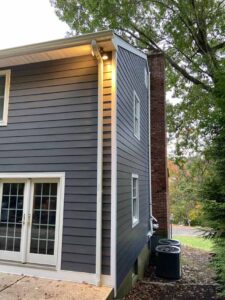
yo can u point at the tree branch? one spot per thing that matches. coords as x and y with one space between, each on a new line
153 45
186 74
219 46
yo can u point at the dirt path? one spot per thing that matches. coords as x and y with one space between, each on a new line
197 283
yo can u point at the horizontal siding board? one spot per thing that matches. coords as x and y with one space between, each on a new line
48 131
79 206
55 95
78 224
56 116
49 124
52 145
54 103
80 240
78 258
39 68
45 153
55 75
53 110
79 249
49 138
55 82
79 267
54 89
77 231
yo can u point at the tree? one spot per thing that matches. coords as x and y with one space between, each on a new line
213 195
184 185
190 33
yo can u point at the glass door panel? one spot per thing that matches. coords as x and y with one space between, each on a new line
43 224
12 199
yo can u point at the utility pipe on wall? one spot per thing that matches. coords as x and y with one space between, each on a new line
97 54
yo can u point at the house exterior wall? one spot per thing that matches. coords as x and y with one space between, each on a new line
132 157
52 127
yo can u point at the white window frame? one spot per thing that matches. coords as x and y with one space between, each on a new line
7 74
28 179
135 97
135 219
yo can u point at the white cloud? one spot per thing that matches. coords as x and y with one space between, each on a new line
28 21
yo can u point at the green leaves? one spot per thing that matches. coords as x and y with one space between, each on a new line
192 36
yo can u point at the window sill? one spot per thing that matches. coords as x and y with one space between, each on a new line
3 124
135 223
137 136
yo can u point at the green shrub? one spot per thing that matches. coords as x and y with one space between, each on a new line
218 262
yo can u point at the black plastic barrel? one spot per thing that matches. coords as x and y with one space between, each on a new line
169 242
168 263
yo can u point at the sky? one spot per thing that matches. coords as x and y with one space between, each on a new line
25 22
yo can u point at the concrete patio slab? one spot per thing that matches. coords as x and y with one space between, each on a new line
14 287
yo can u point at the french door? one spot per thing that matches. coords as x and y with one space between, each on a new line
29 220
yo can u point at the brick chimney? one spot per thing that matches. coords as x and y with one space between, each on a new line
159 174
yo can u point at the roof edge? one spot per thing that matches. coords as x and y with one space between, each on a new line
57 44
118 41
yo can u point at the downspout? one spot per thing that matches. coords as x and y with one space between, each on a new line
96 53
152 218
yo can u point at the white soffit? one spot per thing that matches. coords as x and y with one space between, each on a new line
63 48
45 56
58 49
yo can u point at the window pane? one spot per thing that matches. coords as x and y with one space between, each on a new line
134 187
135 201
135 208
11 216
2 85
136 107
1 107
136 116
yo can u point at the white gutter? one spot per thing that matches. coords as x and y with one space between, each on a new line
96 53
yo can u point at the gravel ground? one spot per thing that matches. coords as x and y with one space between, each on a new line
186 231
197 282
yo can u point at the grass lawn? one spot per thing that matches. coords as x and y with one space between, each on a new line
195 242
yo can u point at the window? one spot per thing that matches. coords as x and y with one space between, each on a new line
135 200
136 116
4 96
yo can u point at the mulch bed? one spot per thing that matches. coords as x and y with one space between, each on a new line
197 282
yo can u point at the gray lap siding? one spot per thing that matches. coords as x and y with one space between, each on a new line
132 157
52 127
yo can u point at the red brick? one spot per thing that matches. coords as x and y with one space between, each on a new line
158 143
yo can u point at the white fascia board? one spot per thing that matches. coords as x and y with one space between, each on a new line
117 41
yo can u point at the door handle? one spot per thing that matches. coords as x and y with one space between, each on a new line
24 218
29 219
